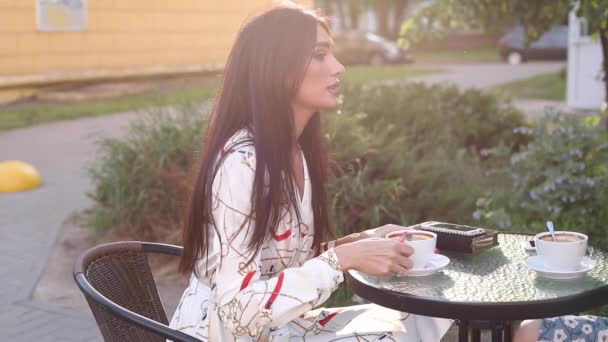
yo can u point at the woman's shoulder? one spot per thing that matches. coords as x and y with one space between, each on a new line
235 166
239 151
242 140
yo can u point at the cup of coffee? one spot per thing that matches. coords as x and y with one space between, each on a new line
422 242
563 254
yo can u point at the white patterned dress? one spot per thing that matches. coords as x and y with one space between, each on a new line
274 298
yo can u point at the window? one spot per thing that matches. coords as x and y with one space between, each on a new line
61 15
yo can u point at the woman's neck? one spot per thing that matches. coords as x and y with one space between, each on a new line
301 118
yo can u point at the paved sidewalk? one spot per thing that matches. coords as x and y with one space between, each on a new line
30 221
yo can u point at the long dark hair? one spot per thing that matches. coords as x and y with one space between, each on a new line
263 73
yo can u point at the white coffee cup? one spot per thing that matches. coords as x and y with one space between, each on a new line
565 253
424 248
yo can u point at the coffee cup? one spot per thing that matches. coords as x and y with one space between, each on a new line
565 253
422 242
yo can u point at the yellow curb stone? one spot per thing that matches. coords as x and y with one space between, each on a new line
16 176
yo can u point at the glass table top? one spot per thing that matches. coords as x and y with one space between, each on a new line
498 274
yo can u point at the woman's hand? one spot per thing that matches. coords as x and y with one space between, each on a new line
376 256
381 232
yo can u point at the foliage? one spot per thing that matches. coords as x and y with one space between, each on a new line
411 152
562 175
382 10
596 12
140 181
490 15
496 15
440 115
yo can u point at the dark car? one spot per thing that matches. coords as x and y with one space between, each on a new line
553 44
355 47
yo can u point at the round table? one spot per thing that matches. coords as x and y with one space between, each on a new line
490 288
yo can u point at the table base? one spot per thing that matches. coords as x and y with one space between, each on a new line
502 331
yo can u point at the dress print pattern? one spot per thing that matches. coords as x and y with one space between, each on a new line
574 329
273 298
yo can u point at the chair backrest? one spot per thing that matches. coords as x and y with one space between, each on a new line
117 282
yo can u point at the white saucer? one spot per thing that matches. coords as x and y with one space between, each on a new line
528 247
535 263
436 264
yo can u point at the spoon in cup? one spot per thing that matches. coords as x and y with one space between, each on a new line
406 236
551 230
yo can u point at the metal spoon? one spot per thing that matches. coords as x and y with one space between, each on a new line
406 236
550 226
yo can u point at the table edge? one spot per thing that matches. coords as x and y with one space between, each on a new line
516 310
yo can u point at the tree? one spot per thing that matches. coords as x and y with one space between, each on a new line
596 11
355 12
383 10
340 10
398 12
489 15
350 9
536 16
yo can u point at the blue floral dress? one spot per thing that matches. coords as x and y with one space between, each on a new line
574 329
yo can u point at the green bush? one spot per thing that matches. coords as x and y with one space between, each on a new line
437 115
409 153
140 180
562 175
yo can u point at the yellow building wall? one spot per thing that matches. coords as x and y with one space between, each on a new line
122 34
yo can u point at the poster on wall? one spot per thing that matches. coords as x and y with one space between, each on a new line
61 15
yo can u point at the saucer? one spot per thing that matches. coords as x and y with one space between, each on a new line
528 248
436 264
535 263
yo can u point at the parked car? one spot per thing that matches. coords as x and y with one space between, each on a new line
553 44
354 47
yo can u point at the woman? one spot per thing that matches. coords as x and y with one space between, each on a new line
258 211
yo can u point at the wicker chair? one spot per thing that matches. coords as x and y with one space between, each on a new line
117 282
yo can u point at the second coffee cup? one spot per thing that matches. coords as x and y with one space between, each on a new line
565 253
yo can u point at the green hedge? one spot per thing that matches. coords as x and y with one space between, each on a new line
142 179
411 152
437 114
